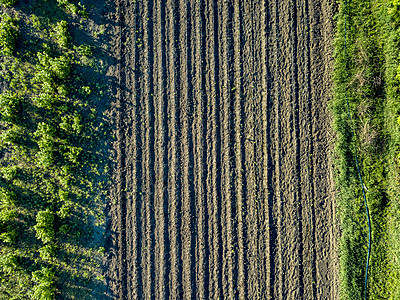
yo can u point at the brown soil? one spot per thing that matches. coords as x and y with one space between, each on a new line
223 183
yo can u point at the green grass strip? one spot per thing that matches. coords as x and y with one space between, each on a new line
366 74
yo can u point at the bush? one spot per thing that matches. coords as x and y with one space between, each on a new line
9 263
12 136
62 36
7 215
8 199
9 236
47 252
7 3
84 50
45 226
10 107
46 284
8 35
45 100
45 140
73 154
50 69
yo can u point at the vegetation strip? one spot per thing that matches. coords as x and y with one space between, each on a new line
359 176
51 171
366 75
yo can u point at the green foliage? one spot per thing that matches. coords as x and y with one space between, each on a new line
7 3
9 262
50 69
47 252
12 135
8 35
368 77
45 226
46 287
45 136
10 107
48 156
62 35
84 50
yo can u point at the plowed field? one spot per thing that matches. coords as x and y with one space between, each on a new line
223 183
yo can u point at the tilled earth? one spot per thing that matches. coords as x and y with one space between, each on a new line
223 181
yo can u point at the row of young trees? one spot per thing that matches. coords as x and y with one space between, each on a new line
44 148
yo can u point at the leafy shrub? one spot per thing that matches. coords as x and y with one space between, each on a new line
65 210
73 154
12 136
36 22
61 67
7 3
45 100
77 123
9 172
50 69
84 50
47 252
394 11
46 80
8 198
10 107
45 140
8 35
62 35
46 284
45 226
9 262
7 215
9 236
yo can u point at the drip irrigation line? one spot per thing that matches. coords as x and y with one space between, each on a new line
358 167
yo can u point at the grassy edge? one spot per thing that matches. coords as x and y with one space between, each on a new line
366 76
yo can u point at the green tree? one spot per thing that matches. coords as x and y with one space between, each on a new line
46 284
8 34
45 226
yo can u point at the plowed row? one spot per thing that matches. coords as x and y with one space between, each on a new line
223 186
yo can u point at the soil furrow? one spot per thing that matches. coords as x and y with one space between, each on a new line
202 256
138 154
258 161
239 153
174 183
210 92
249 135
186 104
310 154
268 227
224 131
265 209
306 189
289 228
216 267
262 157
162 247
228 197
277 137
231 134
298 199
121 158
132 149
323 200
148 162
